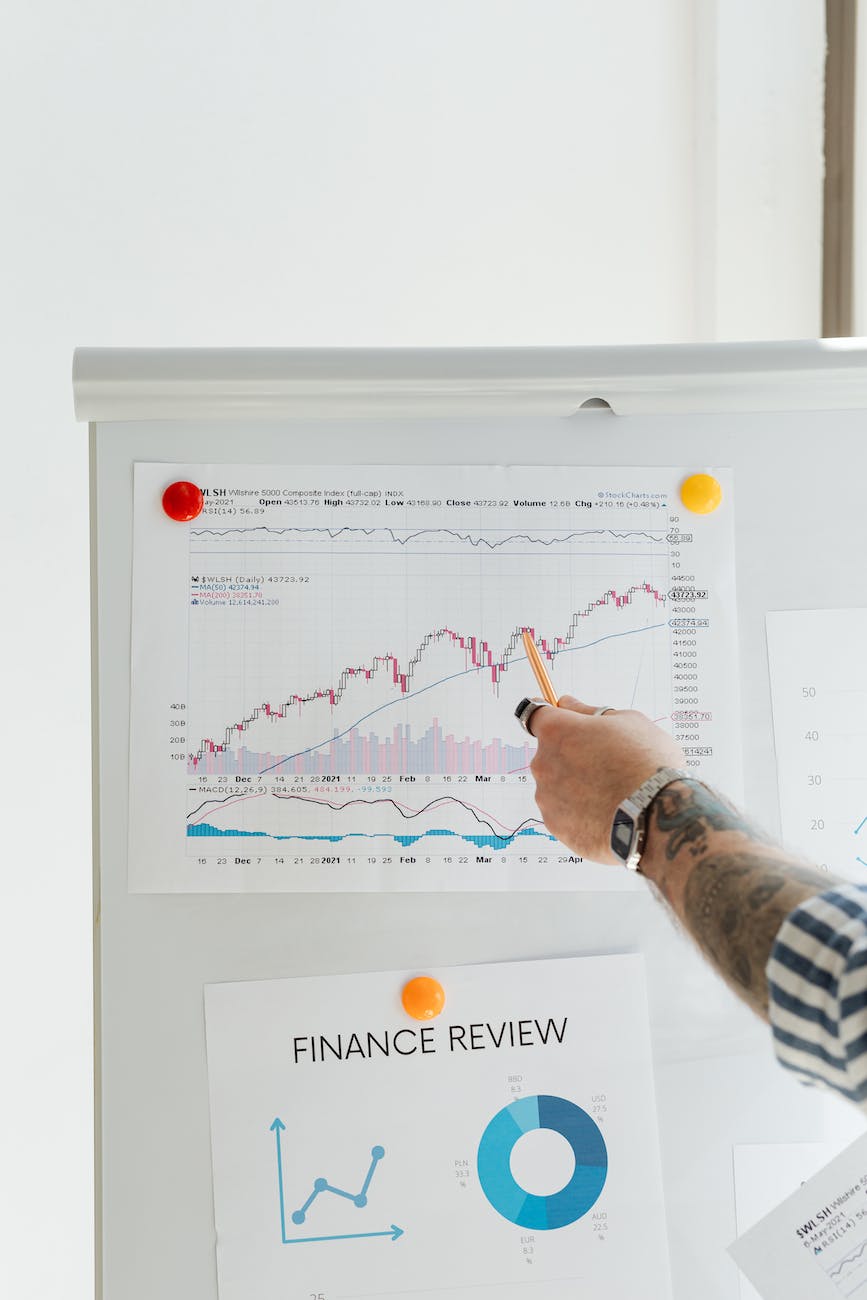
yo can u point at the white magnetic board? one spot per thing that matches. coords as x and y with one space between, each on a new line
789 421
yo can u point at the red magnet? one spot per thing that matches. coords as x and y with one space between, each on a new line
183 501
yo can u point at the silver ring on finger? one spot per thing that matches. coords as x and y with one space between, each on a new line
604 708
526 709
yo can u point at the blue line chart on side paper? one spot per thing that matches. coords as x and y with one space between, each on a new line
321 1186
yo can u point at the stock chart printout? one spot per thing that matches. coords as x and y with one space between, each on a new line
506 1148
814 1245
326 664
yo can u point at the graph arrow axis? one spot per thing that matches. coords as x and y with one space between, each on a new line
394 1232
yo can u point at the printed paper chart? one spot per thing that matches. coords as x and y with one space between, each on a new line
510 1144
326 664
814 1245
820 728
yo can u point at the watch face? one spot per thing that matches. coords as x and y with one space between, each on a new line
622 833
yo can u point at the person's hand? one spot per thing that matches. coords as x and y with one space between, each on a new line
586 764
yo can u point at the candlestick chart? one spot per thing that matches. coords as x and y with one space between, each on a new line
397 656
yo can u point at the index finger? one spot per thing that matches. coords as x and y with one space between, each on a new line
576 706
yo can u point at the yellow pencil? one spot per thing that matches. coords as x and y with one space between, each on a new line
545 684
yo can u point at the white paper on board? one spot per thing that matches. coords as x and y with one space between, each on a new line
814 1245
765 1173
819 693
326 664
509 1145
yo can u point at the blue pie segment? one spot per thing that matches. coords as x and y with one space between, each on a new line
495 1175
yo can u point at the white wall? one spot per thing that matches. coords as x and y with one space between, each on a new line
759 102
276 172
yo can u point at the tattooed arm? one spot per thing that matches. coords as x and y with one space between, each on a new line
730 887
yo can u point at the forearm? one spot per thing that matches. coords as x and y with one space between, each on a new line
730 887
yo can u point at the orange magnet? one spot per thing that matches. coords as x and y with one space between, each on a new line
701 493
183 501
423 998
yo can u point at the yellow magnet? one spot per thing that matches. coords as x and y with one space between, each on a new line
423 998
701 493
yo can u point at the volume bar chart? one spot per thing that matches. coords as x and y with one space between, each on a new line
435 752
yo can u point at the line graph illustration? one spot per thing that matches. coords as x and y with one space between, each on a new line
495 540
484 819
849 1272
848 1260
442 816
320 1187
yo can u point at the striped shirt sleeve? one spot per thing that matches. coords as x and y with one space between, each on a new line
817 987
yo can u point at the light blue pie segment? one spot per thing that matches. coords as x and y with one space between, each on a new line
525 1113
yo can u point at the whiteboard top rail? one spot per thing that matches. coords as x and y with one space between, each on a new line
124 384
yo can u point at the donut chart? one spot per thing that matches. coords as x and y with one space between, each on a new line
524 1208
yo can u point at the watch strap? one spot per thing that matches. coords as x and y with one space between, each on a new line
632 813
643 797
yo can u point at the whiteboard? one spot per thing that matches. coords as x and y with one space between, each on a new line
787 418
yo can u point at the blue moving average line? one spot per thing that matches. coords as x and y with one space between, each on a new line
322 1185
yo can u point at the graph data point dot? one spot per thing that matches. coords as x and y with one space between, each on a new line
320 1184
423 998
360 1201
297 1216
183 501
701 493
377 1152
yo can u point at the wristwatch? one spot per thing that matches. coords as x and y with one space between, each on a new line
629 828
